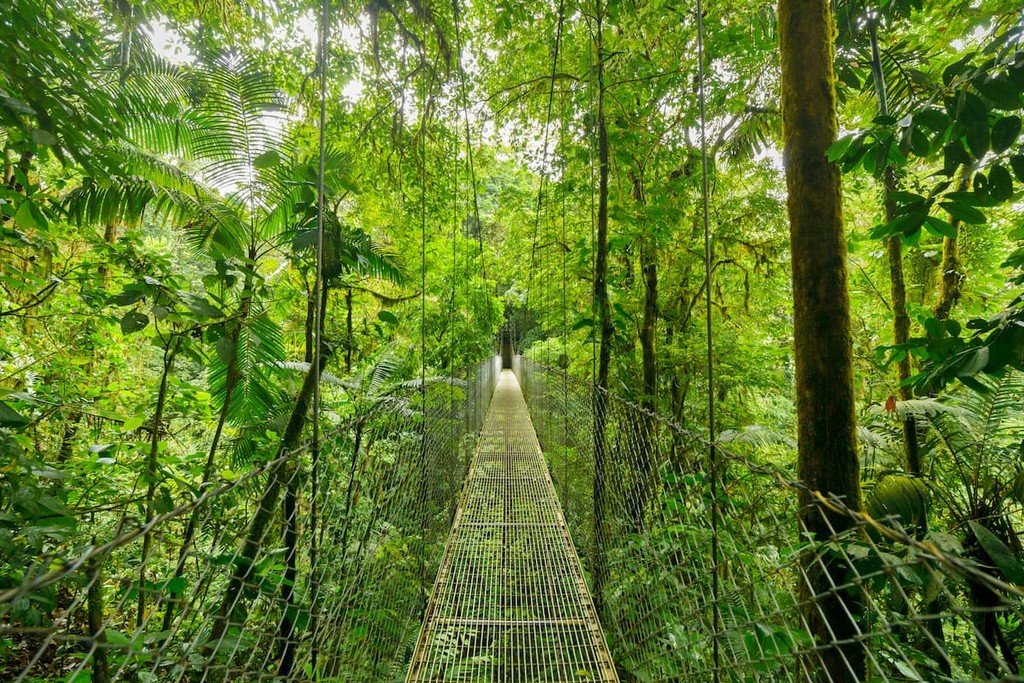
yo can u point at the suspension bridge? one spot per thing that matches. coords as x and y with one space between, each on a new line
452 536
510 594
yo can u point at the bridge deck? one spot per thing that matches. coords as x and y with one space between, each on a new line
510 603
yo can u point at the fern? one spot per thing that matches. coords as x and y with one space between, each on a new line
756 436
982 443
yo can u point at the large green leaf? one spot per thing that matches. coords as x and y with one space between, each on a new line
903 498
999 553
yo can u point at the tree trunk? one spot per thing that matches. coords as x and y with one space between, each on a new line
604 315
646 454
349 342
110 233
67 439
996 656
291 552
100 665
315 527
897 280
951 275
823 349
151 471
350 489
231 603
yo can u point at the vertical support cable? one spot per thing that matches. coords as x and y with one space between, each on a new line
544 152
424 113
469 142
601 295
708 269
453 428
565 316
318 308
593 220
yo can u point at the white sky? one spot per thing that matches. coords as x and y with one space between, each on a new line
169 44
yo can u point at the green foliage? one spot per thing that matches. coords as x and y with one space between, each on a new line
147 205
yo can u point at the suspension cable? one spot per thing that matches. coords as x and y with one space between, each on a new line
318 295
426 90
452 311
544 152
469 141
708 273
593 218
565 301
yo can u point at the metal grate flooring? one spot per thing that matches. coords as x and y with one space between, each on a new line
510 603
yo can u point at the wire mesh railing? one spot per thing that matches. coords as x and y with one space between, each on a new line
751 598
272 583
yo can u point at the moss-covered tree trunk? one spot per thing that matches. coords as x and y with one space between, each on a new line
951 273
232 604
646 444
897 279
827 459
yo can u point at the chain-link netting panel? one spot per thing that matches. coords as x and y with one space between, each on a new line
700 587
273 583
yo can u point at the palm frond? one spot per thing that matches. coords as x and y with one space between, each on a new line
359 254
984 435
219 228
924 407
251 439
754 134
234 101
112 201
257 357
154 99
868 438
145 183
1004 408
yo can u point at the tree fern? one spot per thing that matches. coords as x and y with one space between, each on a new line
979 446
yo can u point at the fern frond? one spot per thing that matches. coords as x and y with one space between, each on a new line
756 436
302 367
251 439
387 365
925 407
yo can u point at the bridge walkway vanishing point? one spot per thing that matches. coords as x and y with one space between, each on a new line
510 602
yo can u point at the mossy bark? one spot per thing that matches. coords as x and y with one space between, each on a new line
827 458
951 273
897 279
647 445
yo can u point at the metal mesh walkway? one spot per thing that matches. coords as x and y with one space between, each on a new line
510 603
